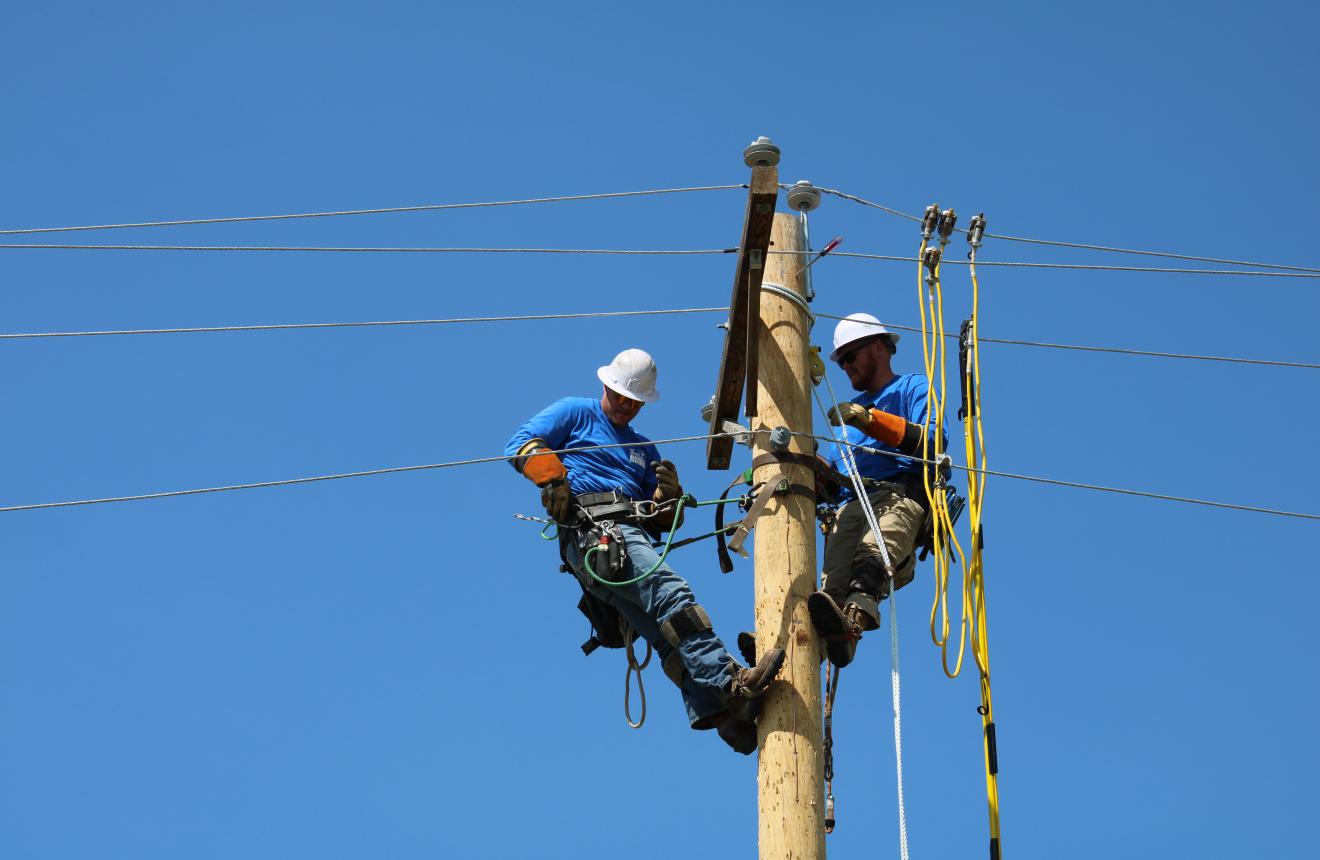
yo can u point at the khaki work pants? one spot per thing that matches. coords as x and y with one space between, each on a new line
854 569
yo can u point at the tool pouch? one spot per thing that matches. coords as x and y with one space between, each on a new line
611 559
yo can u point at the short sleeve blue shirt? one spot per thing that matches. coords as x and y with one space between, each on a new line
904 396
580 422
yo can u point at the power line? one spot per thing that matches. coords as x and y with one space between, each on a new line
625 252
1079 485
359 249
317 478
432 207
1108 349
1078 266
286 326
477 460
1080 245
610 314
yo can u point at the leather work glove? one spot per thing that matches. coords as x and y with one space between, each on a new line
557 499
852 414
667 487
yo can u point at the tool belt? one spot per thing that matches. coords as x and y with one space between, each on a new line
597 517
614 506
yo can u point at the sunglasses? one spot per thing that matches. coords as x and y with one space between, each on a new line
851 355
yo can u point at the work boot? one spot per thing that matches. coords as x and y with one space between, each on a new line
747 647
739 727
839 631
751 683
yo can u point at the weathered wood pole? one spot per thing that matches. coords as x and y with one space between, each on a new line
790 769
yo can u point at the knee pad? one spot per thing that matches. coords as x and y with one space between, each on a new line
686 622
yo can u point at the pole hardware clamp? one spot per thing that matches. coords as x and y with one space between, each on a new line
930 220
948 218
976 230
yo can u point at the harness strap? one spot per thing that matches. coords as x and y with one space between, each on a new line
688 621
776 485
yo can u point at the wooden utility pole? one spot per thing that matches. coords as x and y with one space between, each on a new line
790 770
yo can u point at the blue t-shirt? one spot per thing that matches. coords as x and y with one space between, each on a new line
904 396
580 421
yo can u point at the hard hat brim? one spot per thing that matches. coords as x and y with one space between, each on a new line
883 332
602 373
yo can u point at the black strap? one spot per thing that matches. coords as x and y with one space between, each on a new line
794 459
721 538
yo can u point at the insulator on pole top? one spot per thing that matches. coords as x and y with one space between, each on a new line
803 196
761 153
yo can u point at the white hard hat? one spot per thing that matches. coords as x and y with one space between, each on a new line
632 374
857 327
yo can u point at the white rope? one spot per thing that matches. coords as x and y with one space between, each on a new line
860 497
435 207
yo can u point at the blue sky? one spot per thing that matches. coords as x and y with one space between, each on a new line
388 666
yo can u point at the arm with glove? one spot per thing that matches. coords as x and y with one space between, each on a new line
532 455
882 426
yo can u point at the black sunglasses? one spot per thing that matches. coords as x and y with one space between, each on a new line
851 355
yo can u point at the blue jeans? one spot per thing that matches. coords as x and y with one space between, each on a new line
648 604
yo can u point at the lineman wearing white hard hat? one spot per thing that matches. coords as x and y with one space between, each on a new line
888 414
609 502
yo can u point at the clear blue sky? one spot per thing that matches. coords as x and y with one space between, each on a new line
388 666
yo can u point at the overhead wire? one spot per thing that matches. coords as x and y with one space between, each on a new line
1087 267
1079 245
366 324
429 207
609 314
1109 349
335 477
1084 486
368 249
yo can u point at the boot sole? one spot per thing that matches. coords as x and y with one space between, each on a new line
831 626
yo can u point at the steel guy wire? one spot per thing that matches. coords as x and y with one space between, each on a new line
316 478
1080 245
1079 485
432 207
609 314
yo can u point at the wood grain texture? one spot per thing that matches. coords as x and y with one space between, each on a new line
790 768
